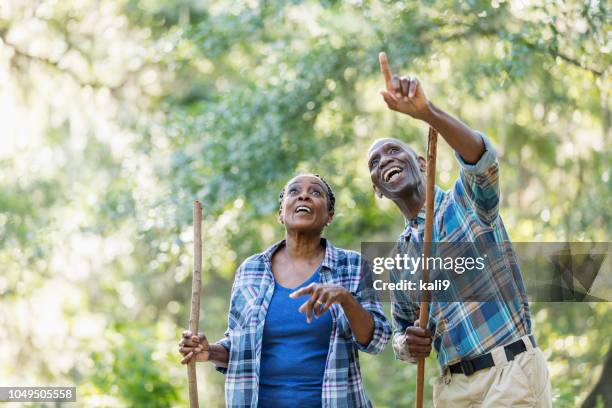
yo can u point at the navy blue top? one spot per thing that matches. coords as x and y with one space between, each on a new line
293 353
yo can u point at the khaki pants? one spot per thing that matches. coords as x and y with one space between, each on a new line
522 382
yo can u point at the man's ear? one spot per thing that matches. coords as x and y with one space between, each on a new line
377 191
422 163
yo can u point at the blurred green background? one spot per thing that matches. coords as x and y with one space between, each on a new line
116 115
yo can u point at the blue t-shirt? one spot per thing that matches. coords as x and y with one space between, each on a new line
293 353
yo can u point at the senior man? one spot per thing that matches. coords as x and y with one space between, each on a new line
486 350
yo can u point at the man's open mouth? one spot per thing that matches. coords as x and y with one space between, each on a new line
303 209
392 174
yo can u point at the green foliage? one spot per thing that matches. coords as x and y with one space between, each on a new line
119 114
131 372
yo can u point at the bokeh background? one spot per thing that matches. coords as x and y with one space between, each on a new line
116 115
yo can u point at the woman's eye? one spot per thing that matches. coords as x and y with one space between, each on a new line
316 193
293 191
393 150
373 163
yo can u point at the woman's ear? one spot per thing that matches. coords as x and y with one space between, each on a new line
281 217
330 218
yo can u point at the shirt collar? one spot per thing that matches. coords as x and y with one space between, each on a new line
419 220
329 261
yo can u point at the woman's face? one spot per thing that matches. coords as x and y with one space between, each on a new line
304 207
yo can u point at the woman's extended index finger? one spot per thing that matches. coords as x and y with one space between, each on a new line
384 68
304 291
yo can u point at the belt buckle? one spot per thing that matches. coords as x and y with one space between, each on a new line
467 367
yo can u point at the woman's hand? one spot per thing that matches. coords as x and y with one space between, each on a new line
192 345
322 296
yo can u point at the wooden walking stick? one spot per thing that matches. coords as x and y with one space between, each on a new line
432 145
429 206
196 284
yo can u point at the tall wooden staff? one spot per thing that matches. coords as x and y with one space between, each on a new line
432 145
196 284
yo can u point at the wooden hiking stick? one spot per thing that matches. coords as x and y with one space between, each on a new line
196 284
432 145
429 205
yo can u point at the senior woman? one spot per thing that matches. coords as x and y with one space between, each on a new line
274 357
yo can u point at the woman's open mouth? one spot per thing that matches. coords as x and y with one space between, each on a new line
303 209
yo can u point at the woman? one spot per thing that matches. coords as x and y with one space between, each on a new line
271 355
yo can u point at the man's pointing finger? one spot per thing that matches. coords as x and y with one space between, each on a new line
384 68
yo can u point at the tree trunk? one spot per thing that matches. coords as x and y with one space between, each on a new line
602 390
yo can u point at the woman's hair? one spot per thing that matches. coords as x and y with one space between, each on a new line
331 198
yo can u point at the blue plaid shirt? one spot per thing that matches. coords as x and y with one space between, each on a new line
468 213
251 294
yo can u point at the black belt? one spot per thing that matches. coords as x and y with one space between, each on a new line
469 367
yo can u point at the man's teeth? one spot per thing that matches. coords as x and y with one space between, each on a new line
302 208
392 173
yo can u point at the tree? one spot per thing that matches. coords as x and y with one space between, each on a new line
138 108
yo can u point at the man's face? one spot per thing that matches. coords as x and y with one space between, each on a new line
395 169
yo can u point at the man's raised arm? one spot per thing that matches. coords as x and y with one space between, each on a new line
406 95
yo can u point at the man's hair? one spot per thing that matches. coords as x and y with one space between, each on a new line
331 198
405 145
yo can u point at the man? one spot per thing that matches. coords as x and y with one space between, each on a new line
487 354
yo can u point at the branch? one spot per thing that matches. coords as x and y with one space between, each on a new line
555 53
487 31
601 391
55 65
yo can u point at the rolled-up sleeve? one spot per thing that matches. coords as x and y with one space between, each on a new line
478 184
225 342
404 309
368 299
231 321
400 350
382 331
404 313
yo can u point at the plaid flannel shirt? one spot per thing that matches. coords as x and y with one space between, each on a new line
251 294
468 213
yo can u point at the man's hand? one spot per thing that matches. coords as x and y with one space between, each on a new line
418 341
403 94
192 345
322 296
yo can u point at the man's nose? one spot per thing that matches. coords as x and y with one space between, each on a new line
383 161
